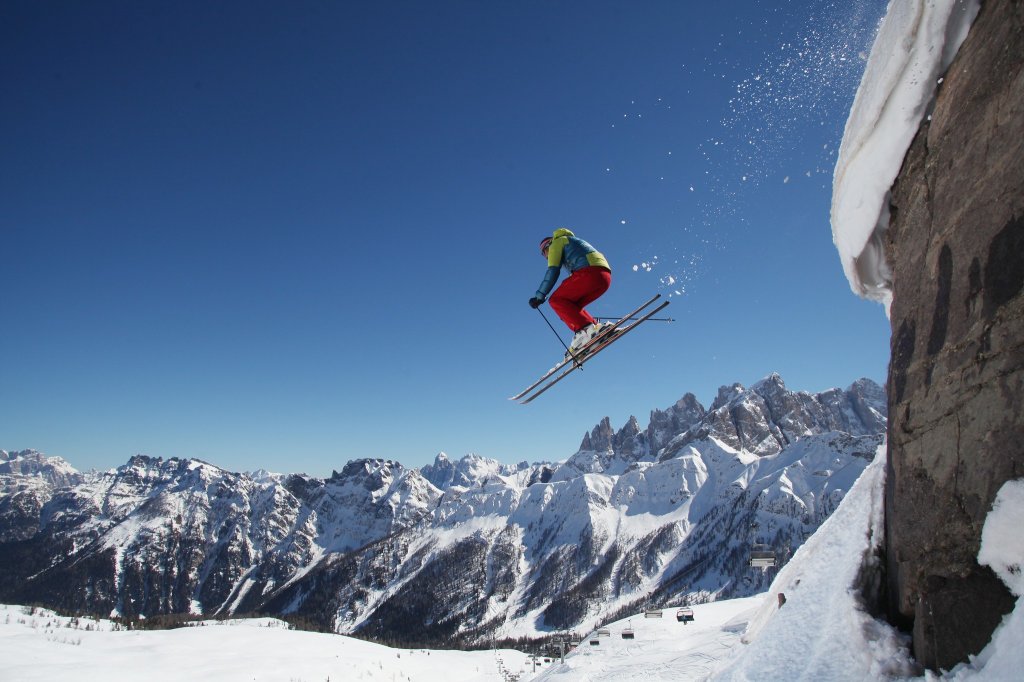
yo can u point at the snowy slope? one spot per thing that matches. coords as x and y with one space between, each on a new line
809 636
36 644
822 631
662 648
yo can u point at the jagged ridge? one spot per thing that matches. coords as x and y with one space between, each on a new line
465 549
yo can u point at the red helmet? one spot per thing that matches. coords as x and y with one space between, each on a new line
545 243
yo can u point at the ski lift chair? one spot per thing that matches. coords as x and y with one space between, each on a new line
762 556
628 634
684 615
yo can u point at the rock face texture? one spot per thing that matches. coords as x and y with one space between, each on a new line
956 377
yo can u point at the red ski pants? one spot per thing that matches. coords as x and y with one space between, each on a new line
582 288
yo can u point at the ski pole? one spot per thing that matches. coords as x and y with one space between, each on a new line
630 319
555 332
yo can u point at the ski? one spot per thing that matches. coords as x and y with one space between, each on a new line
600 347
582 352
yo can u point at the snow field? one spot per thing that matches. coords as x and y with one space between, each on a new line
39 645
662 648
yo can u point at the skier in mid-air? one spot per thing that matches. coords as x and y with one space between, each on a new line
590 276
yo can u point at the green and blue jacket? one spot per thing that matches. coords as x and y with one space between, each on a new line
570 252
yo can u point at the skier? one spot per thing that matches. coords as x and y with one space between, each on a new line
590 276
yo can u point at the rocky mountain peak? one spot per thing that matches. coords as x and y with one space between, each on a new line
771 387
667 424
767 417
53 471
442 473
148 470
470 544
726 395
143 462
371 474
600 437
470 471
6 456
762 420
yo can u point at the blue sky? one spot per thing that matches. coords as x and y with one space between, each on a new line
288 235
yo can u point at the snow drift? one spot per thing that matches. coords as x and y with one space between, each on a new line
915 44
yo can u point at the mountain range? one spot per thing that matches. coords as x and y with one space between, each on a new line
457 551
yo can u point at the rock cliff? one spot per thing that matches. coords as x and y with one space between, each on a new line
956 378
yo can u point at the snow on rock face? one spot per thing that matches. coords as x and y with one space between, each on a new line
1002 548
1002 542
915 44
28 481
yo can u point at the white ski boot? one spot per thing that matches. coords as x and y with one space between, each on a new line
584 337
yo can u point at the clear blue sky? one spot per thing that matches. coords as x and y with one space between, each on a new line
290 234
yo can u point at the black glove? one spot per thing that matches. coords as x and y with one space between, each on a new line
535 302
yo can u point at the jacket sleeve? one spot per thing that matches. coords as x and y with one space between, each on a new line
550 277
554 266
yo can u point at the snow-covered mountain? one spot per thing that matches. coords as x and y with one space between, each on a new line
822 632
28 480
467 549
